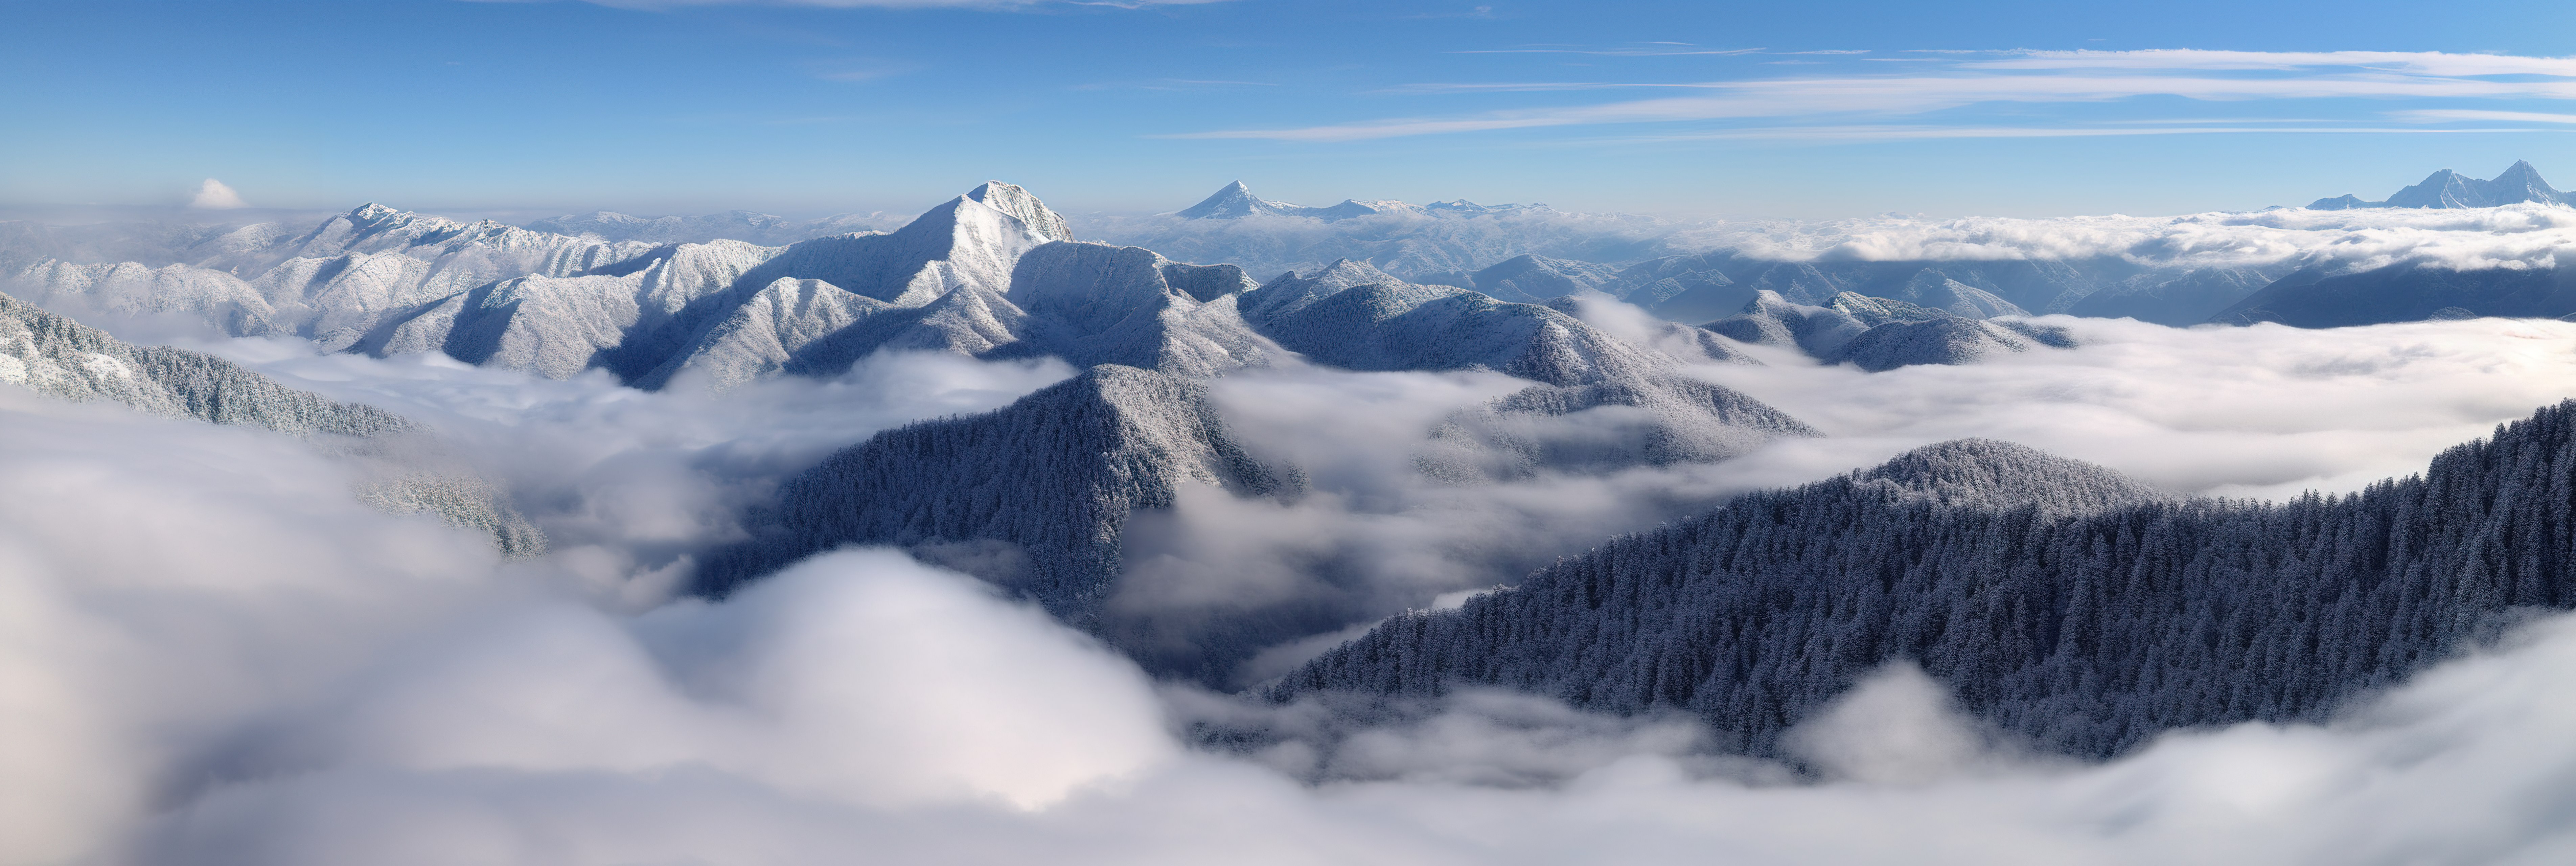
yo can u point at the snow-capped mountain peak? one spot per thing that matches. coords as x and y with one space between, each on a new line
2450 189
1017 201
1235 201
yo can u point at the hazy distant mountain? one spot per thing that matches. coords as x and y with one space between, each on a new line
2180 300
2063 604
2450 189
1698 288
1236 201
331 283
1878 334
1533 279
2407 292
1437 242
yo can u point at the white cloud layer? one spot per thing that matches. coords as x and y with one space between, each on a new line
211 654
2513 236
2265 410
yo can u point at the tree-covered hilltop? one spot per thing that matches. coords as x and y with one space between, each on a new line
2062 603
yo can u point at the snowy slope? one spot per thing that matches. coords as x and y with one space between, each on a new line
332 283
560 326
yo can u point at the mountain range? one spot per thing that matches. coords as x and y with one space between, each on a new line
2517 184
1236 201
2073 609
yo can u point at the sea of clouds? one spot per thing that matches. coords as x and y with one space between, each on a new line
2512 236
210 652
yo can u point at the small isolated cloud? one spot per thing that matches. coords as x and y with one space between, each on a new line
214 195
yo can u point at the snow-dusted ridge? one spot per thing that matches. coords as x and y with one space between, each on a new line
2446 189
54 356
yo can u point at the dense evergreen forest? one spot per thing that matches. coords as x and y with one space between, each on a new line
2060 602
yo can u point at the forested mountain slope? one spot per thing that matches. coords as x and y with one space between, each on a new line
1031 497
2061 603
60 358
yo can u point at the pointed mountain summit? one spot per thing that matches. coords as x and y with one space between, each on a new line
1236 201
2522 182
1016 201
2450 189
1033 497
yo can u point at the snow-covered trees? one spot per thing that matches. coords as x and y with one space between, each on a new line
2062 602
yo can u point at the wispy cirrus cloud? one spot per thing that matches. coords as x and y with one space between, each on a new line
2453 115
1665 51
2022 77
1929 132
885 4
2407 62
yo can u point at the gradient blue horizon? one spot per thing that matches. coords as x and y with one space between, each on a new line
812 109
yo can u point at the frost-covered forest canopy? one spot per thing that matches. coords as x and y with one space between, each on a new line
1433 532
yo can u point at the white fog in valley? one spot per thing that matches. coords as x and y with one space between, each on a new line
214 654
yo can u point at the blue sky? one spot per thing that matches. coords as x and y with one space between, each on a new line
1814 109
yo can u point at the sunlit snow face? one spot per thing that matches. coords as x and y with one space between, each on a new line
213 655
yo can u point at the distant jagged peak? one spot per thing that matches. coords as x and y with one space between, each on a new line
1235 201
376 216
2445 188
1017 201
